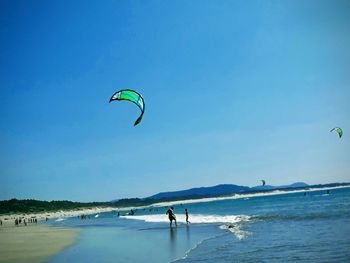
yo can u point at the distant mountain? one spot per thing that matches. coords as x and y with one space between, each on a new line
220 190
217 190
295 185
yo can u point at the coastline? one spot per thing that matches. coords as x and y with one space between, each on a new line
243 195
9 218
33 243
40 242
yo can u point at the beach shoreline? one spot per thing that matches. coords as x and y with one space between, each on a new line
245 195
39 242
9 218
34 243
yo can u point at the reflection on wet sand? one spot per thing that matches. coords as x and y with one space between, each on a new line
188 234
172 235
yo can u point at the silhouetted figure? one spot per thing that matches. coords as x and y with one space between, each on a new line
186 212
132 212
328 192
171 215
16 222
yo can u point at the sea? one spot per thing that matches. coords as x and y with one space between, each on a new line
310 226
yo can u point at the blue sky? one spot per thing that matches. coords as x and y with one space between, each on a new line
235 92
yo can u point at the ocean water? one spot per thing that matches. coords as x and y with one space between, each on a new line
281 228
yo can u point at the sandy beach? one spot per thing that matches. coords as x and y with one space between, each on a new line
33 243
10 218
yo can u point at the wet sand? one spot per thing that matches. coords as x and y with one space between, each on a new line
33 243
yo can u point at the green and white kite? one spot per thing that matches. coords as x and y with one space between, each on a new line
338 130
133 96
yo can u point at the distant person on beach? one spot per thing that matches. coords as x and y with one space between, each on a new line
132 212
186 212
171 215
0 222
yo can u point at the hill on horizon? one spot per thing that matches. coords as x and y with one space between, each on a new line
220 190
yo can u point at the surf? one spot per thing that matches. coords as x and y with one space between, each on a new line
194 218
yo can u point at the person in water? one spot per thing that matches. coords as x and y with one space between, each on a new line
186 212
171 215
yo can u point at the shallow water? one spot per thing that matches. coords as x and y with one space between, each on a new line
289 227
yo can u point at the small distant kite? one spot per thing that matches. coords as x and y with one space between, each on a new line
133 96
263 182
338 130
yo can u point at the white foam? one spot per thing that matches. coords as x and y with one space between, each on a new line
194 218
60 219
236 230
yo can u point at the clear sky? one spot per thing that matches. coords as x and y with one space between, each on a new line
235 92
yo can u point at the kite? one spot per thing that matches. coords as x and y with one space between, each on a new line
338 130
133 96
263 182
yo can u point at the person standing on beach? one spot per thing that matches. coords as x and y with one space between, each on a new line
186 212
171 215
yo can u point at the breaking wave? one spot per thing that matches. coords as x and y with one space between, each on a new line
194 218
60 219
